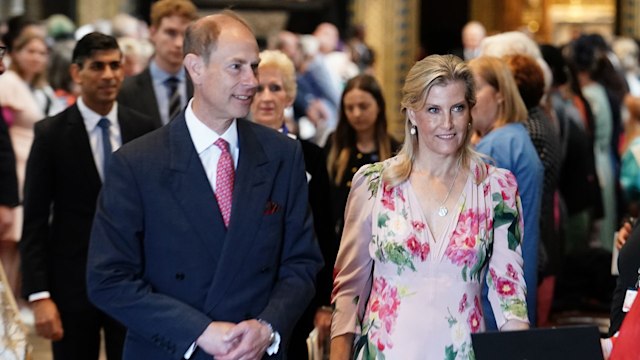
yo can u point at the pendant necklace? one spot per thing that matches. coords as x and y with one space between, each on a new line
442 210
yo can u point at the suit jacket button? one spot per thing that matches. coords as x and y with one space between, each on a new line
179 276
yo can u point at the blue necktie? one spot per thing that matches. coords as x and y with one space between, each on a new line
106 144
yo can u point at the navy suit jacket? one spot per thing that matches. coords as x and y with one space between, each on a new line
137 93
161 261
60 194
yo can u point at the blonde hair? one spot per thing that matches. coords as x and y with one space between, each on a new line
40 80
434 70
496 73
278 60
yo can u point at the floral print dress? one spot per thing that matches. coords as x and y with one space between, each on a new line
409 296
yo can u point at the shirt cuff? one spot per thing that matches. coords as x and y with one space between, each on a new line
273 349
40 295
190 350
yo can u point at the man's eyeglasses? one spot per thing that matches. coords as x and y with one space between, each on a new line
3 50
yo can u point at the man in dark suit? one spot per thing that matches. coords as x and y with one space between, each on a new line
203 241
64 175
8 192
163 88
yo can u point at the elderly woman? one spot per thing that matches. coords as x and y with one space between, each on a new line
498 119
276 91
421 231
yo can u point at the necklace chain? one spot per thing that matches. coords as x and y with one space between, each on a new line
442 210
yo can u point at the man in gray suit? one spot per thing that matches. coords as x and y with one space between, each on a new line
163 88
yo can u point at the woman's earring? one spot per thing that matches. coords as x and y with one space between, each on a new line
413 130
469 126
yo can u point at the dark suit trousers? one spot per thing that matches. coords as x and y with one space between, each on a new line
81 339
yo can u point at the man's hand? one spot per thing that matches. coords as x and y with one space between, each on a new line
322 322
47 317
6 219
214 339
253 337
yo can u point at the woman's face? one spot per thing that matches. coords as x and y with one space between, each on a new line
361 110
271 98
32 58
488 102
443 122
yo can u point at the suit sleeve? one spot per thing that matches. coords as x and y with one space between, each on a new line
38 197
115 278
300 259
8 179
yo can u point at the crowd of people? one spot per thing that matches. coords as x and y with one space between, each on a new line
189 193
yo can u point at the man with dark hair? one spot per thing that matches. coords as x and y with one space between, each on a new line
65 171
163 88
203 242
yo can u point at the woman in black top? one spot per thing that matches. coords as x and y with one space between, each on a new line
360 138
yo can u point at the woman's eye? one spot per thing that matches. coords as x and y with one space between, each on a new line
275 88
432 110
458 108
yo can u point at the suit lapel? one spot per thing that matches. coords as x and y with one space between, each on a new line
148 96
192 190
129 127
81 146
254 180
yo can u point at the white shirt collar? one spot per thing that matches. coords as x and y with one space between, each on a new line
91 117
203 137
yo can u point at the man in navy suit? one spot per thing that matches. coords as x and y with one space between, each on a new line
152 91
187 275
63 178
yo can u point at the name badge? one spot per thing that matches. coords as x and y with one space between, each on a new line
629 297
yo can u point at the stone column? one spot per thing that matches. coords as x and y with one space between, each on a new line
392 28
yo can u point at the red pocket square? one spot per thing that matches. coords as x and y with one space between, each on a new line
271 208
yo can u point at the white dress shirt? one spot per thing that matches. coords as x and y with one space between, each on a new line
94 132
203 139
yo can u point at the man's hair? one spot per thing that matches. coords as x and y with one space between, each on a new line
166 8
90 43
201 36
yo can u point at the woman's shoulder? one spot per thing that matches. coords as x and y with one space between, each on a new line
494 174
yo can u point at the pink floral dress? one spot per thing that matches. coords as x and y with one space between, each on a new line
407 296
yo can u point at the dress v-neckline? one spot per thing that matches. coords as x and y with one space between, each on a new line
438 246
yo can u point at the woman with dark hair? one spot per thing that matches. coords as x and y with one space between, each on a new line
360 138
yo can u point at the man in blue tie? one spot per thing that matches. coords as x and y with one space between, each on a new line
65 172
203 242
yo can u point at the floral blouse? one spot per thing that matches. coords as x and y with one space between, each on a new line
409 296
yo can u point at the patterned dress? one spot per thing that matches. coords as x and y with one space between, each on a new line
409 296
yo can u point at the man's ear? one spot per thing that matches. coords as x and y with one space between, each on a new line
74 71
195 67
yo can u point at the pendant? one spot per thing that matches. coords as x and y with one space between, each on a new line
442 211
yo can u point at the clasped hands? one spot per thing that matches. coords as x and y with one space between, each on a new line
247 340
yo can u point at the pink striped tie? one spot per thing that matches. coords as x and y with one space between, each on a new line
224 180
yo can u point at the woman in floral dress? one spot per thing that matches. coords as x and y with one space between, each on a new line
421 231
